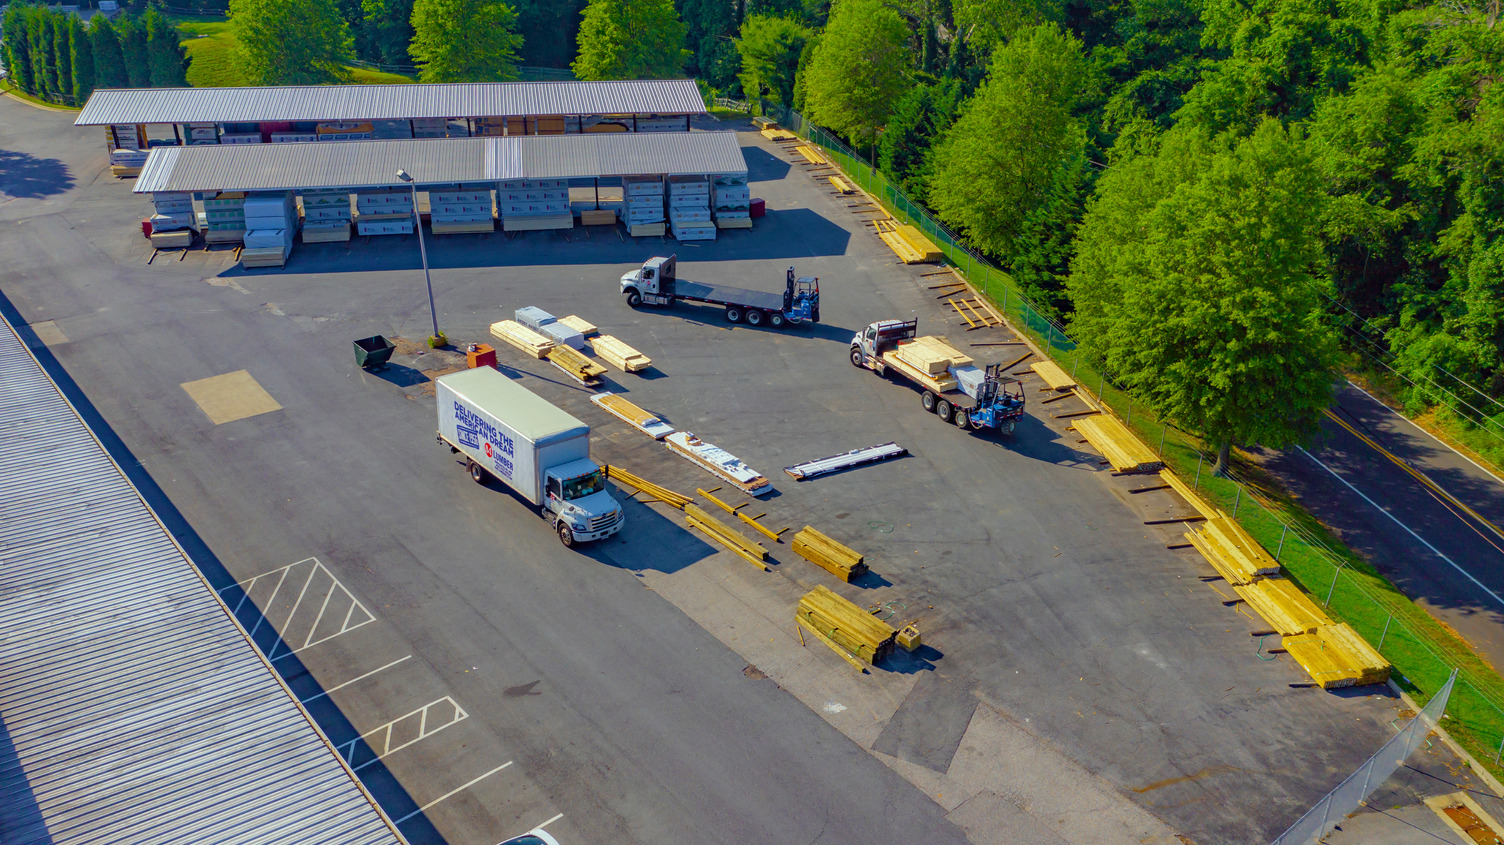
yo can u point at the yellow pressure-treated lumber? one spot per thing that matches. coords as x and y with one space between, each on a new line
663 494
1117 444
1287 610
579 324
840 185
826 553
1335 656
569 360
1188 494
861 634
1055 377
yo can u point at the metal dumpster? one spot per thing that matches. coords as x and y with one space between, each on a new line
373 353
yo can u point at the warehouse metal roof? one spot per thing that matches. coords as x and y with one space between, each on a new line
369 164
389 102
133 707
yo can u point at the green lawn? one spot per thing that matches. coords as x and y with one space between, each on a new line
211 44
9 88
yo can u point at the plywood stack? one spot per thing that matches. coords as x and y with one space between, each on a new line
173 212
644 198
732 201
579 324
384 211
575 365
125 136
127 163
1117 444
754 553
822 551
532 204
326 215
544 323
932 355
1231 551
1287 610
1055 377
224 217
848 627
461 208
1335 656
619 355
523 338
271 222
197 134
346 130
689 208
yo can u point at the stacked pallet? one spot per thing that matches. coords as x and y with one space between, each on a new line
779 135
532 204
224 217
1054 376
391 130
197 134
1117 444
932 355
812 155
1335 656
579 324
935 384
689 208
125 136
326 215
346 130
619 355
240 138
544 323
922 246
604 124
626 411
172 212
732 201
523 338
126 163
177 239
384 211
461 209
271 222
1288 611
1231 551
430 127
547 125
887 231
822 551
754 553
644 198
575 365
844 626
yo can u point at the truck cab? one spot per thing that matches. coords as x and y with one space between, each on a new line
657 282
575 493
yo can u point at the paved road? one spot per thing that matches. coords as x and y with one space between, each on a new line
1433 541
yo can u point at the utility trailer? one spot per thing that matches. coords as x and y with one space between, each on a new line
656 282
968 396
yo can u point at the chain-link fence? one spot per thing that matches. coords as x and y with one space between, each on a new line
1423 652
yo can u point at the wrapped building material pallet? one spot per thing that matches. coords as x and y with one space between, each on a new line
822 551
850 628
1235 555
619 355
522 337
575 365
1287 610
1054 377
1117 444
1335 656
718 462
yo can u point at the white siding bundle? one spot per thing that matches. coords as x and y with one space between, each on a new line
689 208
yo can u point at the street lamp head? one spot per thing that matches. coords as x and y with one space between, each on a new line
404 176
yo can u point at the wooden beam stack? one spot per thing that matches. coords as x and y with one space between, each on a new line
1188 494
822 551
1054 376
619 355
522 337
1231 551
575 365
1335 656
850 628
932 355
753 553
1287 610
1117 444
662 494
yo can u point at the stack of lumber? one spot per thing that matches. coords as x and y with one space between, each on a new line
1335 656
575 365
1117 444
523 338
648 488
936 384
619 355
779 135
840 185
274 256
1188 494
727 536
574 321
628 412
846 627
1231 551
598 217
181 238
822 551
1287 610
718 462
887 230
813 155
922 246
762 121
1054 377
934 356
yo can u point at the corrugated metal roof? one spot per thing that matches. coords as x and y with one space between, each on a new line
364 164
134 708
389 102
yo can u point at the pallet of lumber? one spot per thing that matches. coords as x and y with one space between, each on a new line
1053 375
326 234
624 410
522 337
1117 444
121 171
647 488
1336 656
733 222
813 155
647 230
754 553
180 239
1231 551
224 236
576 365
619 355
762 122
854 630
273 256
775 134
887 232
933 355
598 217
923 246
1287 610
718 462
840 185
833 557
579 324
466 227
934 385
1188 494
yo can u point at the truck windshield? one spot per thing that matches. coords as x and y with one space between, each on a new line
585 485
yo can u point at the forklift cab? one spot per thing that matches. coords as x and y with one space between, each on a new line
801 298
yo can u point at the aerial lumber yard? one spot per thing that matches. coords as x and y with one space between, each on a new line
976 633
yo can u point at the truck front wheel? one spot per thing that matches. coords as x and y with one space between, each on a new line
856 357
477 473
566 536
634 299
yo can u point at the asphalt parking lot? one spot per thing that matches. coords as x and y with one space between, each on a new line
1081 683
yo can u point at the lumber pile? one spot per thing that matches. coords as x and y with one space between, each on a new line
274 256
1054 377
934 356
624 410
774 134
887 230
936 384
813 155
522 337
1231 551
579 324
923 246
822 551
619 355
1335 656
840 185
844 626
1188 494
575 365
1117 444
1288 611
754 553
718 462
180 239
647 488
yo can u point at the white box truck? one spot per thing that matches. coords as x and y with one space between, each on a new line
508 432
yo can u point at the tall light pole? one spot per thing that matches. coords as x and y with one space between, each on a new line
422 250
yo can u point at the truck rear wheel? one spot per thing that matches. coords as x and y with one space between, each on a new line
755 317
566 536
634 299
477 473
963 418
927 399
945 410
733 314
776 320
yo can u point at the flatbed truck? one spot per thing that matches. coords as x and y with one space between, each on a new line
656 282
969 396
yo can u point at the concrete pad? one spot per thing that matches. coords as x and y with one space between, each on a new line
928 726
48 333
230 397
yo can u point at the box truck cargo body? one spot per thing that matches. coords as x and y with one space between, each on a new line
507 432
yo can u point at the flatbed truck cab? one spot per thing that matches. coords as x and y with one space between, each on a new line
656 282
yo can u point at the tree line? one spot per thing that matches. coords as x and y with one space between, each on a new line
57 57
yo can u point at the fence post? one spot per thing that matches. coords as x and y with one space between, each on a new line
1380 646
1128 419
1499 752
1162 433
1237 500
1196 485
1333 588
1101 389
1077 365
1285 530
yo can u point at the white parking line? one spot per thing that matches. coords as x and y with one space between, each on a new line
310 638
453 792
353 680
380 739
549 822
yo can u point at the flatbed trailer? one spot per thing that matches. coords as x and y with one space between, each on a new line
968 396
656 282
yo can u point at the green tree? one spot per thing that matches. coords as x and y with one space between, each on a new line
1199 283
109 60
82 53
770 49
991 23
548 29
16 30
133 46
62 56
447 48
920 116
291 42
387 30
43 52
1009 173
801 74
167 58
710 26
630 39
859 70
